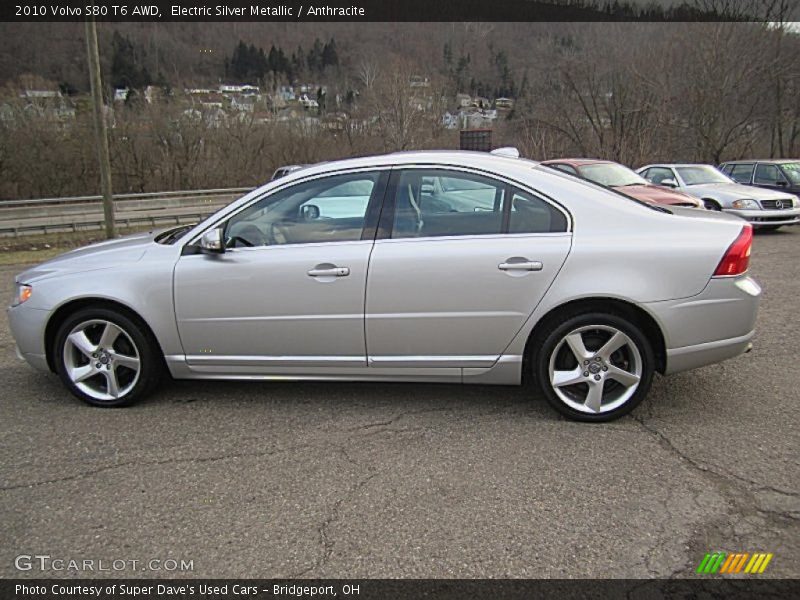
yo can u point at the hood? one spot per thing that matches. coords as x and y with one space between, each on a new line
102 255
658 195
735 191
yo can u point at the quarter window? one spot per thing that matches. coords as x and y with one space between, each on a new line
530 214
330 209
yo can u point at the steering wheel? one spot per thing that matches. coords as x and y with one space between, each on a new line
248 235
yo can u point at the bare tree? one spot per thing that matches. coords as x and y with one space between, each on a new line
404 116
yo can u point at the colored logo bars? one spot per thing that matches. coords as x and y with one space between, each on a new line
743 562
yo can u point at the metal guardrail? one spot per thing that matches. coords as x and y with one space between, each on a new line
84 213
137 196
96 224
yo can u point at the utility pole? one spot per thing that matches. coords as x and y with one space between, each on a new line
100 132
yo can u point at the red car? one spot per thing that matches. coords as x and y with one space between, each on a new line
622 179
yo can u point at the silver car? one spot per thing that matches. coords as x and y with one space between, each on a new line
764 209
453 267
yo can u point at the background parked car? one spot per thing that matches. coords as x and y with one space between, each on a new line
764 209
622 179
285 170
782 175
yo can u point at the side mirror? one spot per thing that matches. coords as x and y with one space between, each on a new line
669 183
309 212
781 184
211 241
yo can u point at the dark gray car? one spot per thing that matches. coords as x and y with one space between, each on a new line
781 175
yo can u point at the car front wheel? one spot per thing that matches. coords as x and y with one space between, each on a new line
594 367
105 358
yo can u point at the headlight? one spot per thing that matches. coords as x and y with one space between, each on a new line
744 204
22 293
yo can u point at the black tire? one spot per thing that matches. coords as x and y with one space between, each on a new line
550 341
150 364
711 205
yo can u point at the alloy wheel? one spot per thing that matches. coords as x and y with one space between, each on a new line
101 359
595 369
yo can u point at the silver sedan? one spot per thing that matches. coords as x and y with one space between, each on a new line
762 208
428 266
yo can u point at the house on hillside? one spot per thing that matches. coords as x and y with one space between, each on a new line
49 104
243 103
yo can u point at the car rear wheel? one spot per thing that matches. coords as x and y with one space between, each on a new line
105 358
594 367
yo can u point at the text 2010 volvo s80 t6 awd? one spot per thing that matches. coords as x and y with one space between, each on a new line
424 266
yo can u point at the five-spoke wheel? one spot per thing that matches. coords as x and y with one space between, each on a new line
104 357
594 367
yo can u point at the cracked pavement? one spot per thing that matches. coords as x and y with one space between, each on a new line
404 480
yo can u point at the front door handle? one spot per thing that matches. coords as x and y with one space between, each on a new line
329 272
528 265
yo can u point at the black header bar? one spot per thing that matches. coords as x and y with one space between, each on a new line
384 10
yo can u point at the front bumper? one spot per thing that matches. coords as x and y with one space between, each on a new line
27 328
767 218
713 326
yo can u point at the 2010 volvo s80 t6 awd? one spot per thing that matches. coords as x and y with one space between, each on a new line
425 266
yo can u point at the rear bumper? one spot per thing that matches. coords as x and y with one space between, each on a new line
713 326
767 218
708 353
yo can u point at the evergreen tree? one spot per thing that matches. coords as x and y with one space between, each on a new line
125 72
315 57
330 57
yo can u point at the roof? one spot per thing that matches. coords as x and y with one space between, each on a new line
774 161
577 162
676 165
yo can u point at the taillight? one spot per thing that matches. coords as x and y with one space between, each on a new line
737 258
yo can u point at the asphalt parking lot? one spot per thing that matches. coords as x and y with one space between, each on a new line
401 480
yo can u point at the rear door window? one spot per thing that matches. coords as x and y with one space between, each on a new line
767 174
438 202
432 203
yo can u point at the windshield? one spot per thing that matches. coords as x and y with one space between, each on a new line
701 174
611 174
792 171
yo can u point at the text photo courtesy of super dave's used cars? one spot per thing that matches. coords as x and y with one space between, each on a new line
434 266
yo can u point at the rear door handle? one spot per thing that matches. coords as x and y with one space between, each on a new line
531 265
330 272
